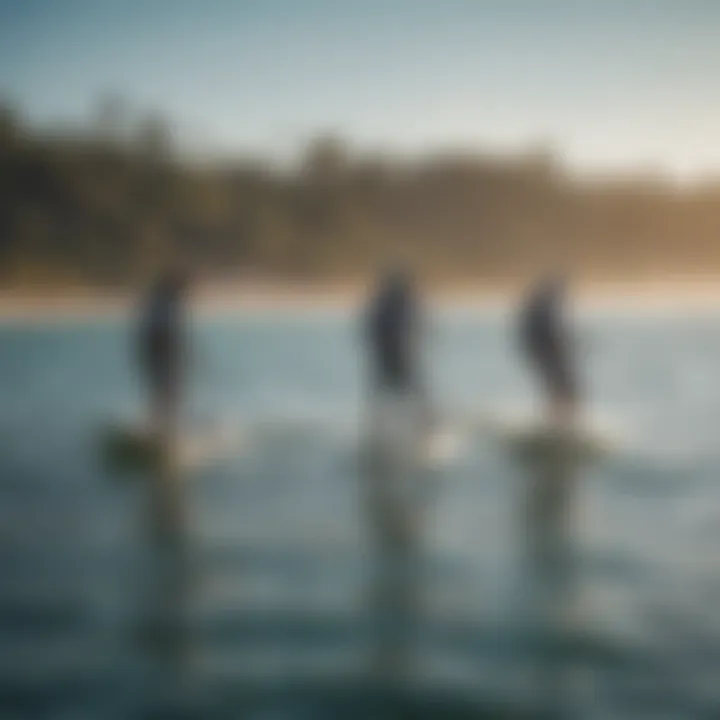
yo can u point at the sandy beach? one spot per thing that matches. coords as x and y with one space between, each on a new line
18 305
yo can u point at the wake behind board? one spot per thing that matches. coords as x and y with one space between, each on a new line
442 446
132 447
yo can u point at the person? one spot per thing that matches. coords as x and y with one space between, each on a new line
400 412
546 343
162 347
392 325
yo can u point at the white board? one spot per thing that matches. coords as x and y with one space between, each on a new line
398 429
535 438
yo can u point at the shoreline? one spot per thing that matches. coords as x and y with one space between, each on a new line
25 305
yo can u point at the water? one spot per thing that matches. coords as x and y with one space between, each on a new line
269 601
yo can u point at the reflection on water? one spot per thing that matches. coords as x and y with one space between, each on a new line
547 512
165 612
395 512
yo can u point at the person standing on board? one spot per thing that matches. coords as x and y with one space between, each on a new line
392 327
162 347
548 347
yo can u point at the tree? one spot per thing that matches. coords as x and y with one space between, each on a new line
326 158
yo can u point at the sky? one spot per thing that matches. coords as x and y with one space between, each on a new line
609 84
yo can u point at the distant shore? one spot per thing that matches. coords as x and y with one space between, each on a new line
69 304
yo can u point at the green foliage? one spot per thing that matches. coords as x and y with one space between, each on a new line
108 205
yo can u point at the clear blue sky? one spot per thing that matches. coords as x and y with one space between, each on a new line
608 82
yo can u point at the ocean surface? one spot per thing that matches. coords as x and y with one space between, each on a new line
262 584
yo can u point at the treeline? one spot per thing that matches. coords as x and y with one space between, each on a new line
105 204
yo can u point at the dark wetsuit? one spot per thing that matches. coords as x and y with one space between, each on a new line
546 344
161 346
391 327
